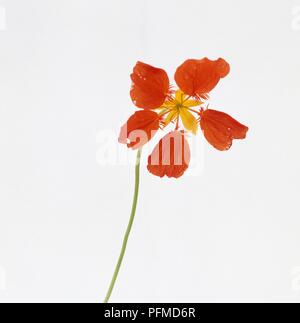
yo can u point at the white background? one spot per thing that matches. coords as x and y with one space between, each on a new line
228 232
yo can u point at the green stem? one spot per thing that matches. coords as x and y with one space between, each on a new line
129 227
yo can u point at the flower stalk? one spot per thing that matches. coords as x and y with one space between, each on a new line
129 227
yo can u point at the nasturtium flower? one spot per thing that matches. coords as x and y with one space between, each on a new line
186 108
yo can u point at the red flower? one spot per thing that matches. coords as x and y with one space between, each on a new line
184 108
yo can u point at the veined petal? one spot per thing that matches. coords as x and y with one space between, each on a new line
198 77
171 157
188 120
220 129
139 129
150 86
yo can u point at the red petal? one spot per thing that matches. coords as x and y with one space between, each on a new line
150 86
171 157
220 129
139 129
198 77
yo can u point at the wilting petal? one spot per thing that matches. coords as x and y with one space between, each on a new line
171 157
198 77
139 129
150 86
220 129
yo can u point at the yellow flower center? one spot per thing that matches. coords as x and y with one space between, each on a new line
181 107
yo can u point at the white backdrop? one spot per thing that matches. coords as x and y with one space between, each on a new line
229 231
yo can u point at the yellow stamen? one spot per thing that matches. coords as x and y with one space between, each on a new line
180 106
